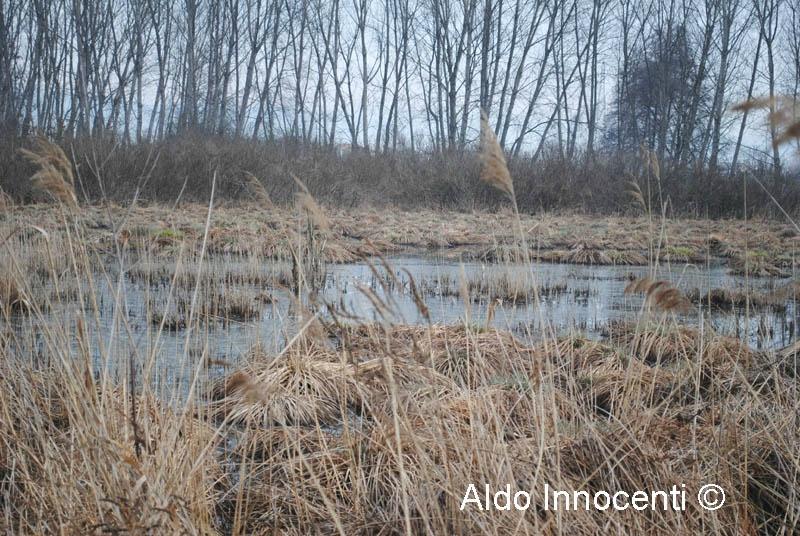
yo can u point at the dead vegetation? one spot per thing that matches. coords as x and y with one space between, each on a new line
661 295
6 201
225 304
272 232
783 116
741 298
54 176
494 170
506 286
756 263
389 428
371 427
11 298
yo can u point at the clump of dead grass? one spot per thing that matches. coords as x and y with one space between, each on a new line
625 257
464 354
509 287
729 299
586 252
755 263
293 389
708 361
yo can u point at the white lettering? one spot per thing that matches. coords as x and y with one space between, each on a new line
476 500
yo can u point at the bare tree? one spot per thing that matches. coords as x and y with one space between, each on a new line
768 13
379 73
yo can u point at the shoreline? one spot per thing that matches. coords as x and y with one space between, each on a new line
753 247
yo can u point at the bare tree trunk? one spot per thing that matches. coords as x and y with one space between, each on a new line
767 13
749 96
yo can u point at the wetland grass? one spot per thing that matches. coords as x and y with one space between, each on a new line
358 427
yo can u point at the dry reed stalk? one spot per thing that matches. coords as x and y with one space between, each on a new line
256 189
494 171
54 176
306 202
6 201
10 295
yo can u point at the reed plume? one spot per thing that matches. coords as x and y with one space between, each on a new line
784 116
636 193
494 171
46 153
659 294
305 201
54 176
257 190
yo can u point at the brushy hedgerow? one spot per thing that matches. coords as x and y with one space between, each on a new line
183 165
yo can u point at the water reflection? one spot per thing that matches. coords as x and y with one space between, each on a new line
572 298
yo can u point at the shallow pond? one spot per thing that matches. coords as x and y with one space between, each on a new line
572 298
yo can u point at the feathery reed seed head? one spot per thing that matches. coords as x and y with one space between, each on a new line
784 116
305 201
659 294
54 176
257 190
494 171
46 153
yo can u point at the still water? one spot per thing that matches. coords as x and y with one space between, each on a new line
573 299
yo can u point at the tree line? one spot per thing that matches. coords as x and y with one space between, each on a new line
564 77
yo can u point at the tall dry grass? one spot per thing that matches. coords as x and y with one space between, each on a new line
376 427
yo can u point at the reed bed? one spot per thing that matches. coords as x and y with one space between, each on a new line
380 428
508 286
357 427
271 231
741 299
385 429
